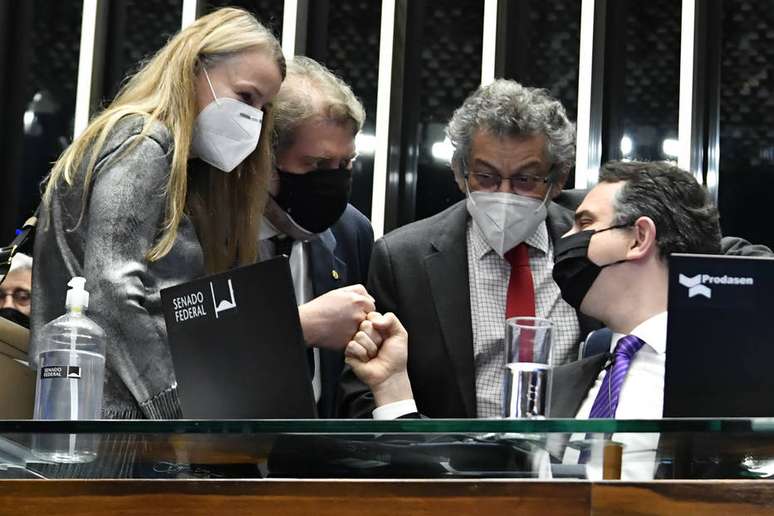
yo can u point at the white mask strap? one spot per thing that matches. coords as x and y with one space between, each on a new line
545 199
207 76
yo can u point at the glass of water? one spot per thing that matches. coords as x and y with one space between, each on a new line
526 374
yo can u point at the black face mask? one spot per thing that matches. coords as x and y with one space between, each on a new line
573 271
16 316
315 200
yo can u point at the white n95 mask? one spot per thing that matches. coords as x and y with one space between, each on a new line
225 132
505 219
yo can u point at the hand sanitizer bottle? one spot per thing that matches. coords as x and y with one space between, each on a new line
71 372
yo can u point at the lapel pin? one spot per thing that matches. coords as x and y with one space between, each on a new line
335 274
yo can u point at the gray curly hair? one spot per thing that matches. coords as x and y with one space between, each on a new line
506 108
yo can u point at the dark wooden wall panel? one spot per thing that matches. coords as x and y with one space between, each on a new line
705 498
288 498
345 498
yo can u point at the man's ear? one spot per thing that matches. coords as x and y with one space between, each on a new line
643 240
459 177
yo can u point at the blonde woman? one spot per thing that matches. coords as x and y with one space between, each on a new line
164 185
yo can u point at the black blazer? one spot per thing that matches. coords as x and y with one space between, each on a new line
570 384
420 272
338 258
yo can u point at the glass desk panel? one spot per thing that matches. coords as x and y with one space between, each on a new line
404 448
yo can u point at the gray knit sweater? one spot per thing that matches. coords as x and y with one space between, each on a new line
121 222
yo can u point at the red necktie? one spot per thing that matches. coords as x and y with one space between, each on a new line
520 301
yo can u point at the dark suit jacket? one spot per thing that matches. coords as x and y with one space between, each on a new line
570 384
420 272
338 258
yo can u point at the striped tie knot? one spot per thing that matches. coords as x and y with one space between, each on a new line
627 347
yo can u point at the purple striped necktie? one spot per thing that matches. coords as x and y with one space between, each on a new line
606 401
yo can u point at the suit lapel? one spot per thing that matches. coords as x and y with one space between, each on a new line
447 271
571 383
327 271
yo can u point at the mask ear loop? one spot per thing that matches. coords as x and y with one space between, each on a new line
466 177
207 76
552 182
545 199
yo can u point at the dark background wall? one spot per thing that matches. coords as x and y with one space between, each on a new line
440 58
746 121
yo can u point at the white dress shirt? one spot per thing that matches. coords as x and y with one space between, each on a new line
302 282
641 397
395 410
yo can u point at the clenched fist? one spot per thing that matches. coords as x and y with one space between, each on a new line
378 355
330 321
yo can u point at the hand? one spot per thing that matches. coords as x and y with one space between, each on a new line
330 321
378 355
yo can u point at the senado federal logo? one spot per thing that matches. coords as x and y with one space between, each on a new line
697 285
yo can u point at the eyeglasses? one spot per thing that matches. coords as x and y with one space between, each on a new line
519 183
21 296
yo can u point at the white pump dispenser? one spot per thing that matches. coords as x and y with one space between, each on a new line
77 299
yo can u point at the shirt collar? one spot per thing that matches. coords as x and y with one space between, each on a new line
269 230
538 240
652 331
477 242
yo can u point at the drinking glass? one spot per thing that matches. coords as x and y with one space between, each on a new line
526 374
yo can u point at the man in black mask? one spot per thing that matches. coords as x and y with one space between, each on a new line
308 217
15 291
612 266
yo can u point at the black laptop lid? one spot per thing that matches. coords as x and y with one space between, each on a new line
237 345
720 337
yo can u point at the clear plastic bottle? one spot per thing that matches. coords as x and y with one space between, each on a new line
71 372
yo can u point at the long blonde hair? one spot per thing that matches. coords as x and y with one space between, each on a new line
225 208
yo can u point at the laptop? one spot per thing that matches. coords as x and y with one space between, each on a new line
237 345
720 337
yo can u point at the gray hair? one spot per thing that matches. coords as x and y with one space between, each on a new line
506 108
20 262
310 90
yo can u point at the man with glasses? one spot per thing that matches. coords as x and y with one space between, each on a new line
15 291
454 278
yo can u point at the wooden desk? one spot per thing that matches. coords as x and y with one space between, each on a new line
344 498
